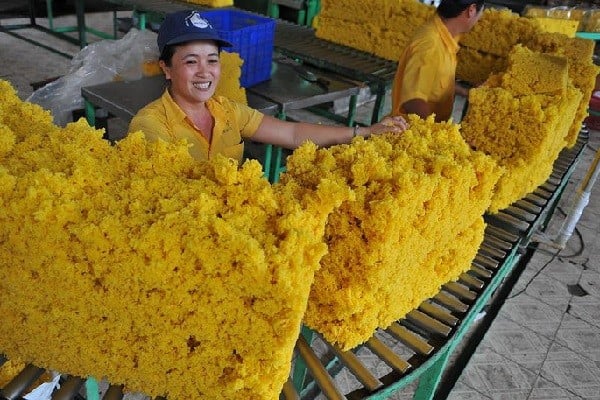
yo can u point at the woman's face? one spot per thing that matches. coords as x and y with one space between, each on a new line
194 71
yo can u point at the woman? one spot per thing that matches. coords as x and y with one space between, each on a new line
189 49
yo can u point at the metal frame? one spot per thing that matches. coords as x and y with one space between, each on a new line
307 9
59 32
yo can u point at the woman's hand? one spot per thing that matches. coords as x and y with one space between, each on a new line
388 124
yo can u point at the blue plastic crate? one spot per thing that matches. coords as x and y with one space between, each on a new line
252 38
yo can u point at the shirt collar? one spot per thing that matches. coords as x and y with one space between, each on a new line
172 110
449 41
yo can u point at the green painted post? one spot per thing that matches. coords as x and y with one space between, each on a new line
273 9
90 113
267 161
301 18
142 22
91 389
50 14
275 167
311 11
379 104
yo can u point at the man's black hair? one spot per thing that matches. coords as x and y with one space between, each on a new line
452 8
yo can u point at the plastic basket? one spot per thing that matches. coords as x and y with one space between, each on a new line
252 38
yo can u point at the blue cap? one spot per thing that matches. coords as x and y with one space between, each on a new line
184 26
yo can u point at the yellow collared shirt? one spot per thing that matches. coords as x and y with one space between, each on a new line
426 70
163 119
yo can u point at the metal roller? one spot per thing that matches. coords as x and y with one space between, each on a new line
460 291
318 372
498 243
451 302
438 313
480 271
471 281
508 222
289 391
496 232
20 383
492 251
114 392
410 339
428 323
351 361
524 204
68 389
387 355
519 213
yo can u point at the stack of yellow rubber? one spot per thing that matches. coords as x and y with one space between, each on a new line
582 70
384 27
413 224
485 48
522 120
138 264
231 71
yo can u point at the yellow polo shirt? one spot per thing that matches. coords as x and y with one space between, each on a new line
164 119
426 70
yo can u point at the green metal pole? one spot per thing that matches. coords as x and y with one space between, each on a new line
379 103
352 109
49 14
273 10
90 113
80 11
91 389
311 11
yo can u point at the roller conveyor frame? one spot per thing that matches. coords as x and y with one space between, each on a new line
426 336
301 43
507 234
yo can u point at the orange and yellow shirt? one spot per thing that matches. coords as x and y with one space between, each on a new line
426 70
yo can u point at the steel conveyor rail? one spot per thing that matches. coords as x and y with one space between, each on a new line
415 347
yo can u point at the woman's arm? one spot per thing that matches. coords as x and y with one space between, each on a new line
292 134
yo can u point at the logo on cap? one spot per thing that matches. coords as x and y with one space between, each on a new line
196 20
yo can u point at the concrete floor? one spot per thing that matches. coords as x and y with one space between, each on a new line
545 341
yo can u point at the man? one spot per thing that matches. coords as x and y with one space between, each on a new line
425 79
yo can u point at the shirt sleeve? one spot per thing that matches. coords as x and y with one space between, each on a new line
248 119
420 73
151 124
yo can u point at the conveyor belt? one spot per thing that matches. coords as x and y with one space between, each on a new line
413 346
301 42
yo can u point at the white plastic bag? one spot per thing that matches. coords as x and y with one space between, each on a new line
99 62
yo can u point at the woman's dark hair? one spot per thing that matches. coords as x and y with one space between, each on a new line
167 54
169 50
453 8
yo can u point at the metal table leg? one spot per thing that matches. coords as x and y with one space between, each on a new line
90 113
